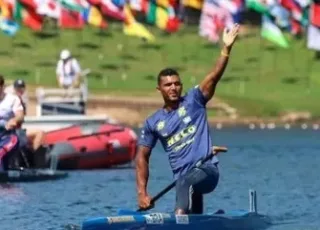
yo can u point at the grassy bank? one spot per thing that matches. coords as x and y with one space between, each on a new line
261 79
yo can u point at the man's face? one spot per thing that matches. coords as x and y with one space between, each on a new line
66 60
170 88
20 90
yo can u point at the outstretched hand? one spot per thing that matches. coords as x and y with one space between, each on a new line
229 36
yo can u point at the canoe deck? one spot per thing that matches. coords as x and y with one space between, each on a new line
229 220
242 220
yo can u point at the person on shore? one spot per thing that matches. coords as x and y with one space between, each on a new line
68 71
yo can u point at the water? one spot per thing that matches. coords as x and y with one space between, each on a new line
281 165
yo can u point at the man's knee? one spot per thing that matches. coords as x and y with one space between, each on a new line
209 181
190 188
41 133
35 133
185 189
189 201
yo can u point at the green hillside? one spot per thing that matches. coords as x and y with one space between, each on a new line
261 79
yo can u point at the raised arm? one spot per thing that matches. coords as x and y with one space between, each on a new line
208 85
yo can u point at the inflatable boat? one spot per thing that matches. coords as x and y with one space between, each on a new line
91 145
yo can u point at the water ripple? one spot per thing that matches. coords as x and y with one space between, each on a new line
281 165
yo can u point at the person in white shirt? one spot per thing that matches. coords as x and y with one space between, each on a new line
36 136
11 118
68 71
19 88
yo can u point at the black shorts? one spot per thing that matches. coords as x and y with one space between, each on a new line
191 187
22 136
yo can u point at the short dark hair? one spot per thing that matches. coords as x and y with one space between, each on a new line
166 72
1 80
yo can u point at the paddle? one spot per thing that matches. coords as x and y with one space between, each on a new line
215 151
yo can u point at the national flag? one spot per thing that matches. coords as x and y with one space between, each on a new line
259 6
313 38
94 17
74 5
9 27
133 28
213 20
315 14
195 4
163 17
272 33
108 8
49 8
27 14
70 19
4 9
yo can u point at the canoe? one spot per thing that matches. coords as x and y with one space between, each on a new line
227 221
30 175
237 219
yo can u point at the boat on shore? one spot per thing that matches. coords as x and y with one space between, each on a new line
74 140
97 145
221 220
79 142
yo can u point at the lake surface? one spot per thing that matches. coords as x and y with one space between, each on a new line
281 165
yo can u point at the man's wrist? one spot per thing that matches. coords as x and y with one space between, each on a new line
142 192
226 50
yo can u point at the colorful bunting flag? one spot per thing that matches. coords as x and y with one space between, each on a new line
272 33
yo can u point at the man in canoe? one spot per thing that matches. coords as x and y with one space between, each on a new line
35 136
11 117
182 127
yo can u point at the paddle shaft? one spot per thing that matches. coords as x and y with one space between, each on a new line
170 186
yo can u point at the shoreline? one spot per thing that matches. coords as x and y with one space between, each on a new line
134 115
132 111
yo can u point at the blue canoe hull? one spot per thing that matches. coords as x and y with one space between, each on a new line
129 220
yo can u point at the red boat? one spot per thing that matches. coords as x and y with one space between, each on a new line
92 145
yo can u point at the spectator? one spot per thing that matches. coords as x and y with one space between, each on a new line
19 88
68 71
36 136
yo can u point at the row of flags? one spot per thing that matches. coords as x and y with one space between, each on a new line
278 16
295 16
75 14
